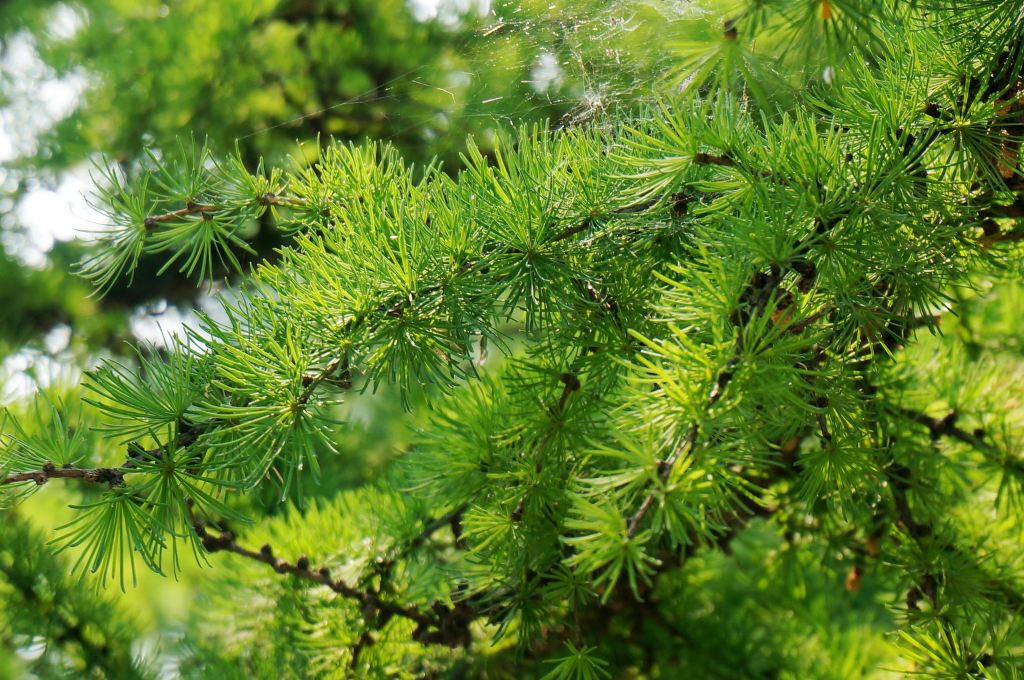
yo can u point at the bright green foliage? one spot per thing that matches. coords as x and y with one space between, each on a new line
725 436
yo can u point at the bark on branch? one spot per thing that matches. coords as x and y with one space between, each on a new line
48 471
440 624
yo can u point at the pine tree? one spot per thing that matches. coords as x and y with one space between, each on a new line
722 387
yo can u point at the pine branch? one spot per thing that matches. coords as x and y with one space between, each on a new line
442 625
702 158
1014 210
901 483
947 427
570 384
995 237
757 294
114 476
927 585
152 221
111 476
624 599
452 519
886 264
317 379
395 305
267 199
276 200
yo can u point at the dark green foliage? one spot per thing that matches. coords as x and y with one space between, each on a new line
60 625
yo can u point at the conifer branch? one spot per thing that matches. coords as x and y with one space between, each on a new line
442 625
703 158
996 236
664 470
48 471
276 200
395 306
224 541
753 508
266 199
1014 210
899 204
431 527
364 641
938 428
947 427
570 384
756 296
571 231
927 585
152 221
315 380
900 482
114 476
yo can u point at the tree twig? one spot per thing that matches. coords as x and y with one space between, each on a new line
152 221
48 471
440 625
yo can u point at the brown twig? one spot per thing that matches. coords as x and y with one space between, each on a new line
152 221
267 199
315 380
703 158
947 427
451 519
289 201
441 625
48 471
224 541
114 476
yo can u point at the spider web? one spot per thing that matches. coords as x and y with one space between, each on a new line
584 59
